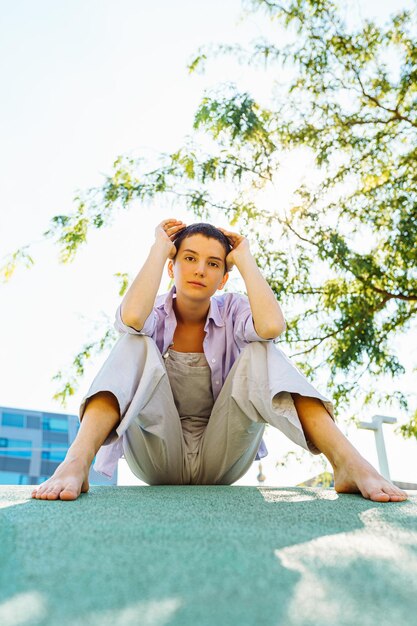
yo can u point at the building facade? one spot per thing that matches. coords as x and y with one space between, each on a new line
34 443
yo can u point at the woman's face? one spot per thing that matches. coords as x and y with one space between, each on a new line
199 259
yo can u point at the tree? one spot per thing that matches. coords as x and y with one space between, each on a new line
347 242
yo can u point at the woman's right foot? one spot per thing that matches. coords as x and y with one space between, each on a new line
67 482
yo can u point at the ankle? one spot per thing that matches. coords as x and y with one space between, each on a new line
345 457
82 455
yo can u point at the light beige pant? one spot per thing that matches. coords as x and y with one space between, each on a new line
187 439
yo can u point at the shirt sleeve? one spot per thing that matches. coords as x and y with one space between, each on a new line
148 327
244 328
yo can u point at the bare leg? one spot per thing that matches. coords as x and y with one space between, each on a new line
70 478
352 473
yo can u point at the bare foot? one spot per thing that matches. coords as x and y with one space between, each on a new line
356 475
67 482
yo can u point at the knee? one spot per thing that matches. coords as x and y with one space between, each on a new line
142 342
103 401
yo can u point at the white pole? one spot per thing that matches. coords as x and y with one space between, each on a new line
376 426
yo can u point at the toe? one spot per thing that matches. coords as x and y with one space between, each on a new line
53 493
377 495
388 493
398 496
395 493
46 491
68 493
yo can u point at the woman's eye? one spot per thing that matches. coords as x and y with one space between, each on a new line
192 258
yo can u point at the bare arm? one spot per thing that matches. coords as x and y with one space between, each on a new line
139 299
267 315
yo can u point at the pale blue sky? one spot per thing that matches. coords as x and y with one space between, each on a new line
84 81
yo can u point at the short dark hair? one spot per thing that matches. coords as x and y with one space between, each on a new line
209 231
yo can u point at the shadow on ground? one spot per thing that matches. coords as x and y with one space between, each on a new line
207 555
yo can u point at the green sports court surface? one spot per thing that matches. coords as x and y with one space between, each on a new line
207 555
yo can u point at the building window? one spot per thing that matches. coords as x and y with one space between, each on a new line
9 478
15 447
13 419
55 423
53 451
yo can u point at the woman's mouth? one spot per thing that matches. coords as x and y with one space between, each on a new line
196 284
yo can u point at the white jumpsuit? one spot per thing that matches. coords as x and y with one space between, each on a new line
172 432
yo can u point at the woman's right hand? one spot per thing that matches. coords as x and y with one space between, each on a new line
167 231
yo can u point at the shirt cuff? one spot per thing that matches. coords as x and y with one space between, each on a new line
250 332
147 329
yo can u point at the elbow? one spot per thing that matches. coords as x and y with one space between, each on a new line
137 326
134 324
277 326
272 332
276 331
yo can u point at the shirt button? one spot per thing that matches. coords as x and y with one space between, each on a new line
213 360
217 382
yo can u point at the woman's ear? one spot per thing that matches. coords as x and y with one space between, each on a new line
224 281
170 269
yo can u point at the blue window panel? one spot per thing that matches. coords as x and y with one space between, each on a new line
53 451
17 447
54 423
33 421
9 478
54 455
13 419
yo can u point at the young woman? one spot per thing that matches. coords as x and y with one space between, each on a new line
187 390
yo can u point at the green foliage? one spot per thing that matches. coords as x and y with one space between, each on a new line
325 480
8 269
408 430
125 280
240 117
344 249
70 381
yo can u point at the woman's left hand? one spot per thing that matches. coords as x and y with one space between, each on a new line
239 244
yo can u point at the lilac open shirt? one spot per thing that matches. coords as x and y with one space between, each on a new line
228 329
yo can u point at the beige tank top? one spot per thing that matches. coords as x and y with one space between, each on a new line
190 378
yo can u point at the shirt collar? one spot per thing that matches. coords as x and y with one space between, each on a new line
213 313
168 301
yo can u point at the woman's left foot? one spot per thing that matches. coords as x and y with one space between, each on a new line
356 475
